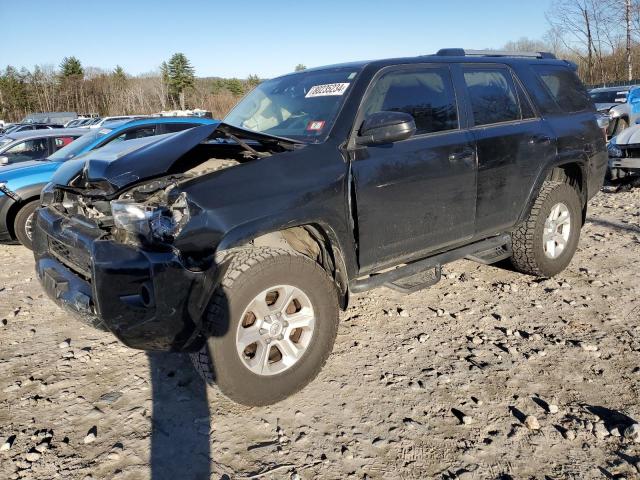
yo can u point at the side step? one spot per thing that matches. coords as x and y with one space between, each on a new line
424 273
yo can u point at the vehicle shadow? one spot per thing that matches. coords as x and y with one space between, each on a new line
180 420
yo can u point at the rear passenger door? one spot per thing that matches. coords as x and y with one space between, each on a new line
512 143
417 195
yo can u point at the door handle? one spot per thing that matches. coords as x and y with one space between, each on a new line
539 139
462 155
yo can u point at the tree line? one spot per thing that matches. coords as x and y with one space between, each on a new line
89 90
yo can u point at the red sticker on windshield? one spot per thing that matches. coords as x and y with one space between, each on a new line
315 125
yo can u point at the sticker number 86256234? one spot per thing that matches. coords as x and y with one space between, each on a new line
327 89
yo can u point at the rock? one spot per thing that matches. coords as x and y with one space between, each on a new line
11 388
91 436
615 432
467 420
423 337
477 341
570 434
632 432
552 409
294 476
600 431
32 457
589 348
403 313
42 447
532 423
65 344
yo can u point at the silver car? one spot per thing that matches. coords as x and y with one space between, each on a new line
35 144
622 104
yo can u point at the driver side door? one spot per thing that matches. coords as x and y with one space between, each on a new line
417 195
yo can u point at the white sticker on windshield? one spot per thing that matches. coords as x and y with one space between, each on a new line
327 89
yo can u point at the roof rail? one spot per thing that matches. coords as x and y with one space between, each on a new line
461 52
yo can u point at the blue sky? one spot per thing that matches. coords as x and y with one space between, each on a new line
265 37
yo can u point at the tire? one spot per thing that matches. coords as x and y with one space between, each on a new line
250 274
530 254
21 224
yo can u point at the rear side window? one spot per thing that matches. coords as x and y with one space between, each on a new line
492 94
565 88
133 133
425 93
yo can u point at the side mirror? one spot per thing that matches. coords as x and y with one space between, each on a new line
386 127
4 160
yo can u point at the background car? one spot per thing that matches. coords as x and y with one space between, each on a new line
622 104
106 121
34 144
21 184
24 127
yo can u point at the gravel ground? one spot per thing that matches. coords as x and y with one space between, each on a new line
487 375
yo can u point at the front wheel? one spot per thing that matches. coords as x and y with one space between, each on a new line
546 242
271 326
23 224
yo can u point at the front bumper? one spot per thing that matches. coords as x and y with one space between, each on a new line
149 300
626 163
6 203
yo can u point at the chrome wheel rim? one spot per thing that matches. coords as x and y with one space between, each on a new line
557 228
275 330
28 226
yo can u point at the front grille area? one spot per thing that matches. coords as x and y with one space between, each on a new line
77 261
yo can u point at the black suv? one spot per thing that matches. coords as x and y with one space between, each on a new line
240 241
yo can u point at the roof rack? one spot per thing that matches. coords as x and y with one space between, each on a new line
461 52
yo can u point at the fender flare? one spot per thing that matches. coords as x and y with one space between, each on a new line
545 173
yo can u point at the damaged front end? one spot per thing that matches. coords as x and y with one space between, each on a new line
108 240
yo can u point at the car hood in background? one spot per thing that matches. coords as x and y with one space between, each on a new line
629 136
605 107
20 170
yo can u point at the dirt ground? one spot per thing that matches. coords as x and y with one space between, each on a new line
440 384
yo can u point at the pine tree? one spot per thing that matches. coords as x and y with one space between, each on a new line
71 67
300 67
181 77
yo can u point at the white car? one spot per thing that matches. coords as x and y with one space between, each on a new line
624 153
106 120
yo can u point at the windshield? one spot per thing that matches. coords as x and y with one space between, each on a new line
611 96
78 146
302 106
12 128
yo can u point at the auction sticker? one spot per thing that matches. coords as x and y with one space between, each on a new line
315 126
328 89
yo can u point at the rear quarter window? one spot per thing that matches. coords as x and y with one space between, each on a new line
564 89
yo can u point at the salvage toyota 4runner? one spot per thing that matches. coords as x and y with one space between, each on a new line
240 241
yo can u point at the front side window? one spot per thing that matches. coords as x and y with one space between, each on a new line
28 150
302 106
424 93
492 95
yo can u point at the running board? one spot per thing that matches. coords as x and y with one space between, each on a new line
424 273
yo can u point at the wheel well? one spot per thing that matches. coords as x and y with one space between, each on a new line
572 174
313 242
13 211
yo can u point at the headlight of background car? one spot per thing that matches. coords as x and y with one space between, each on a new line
144 224
614 150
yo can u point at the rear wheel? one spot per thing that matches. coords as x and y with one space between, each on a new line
23 224
546 242
272 325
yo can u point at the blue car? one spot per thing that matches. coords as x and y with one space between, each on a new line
21 184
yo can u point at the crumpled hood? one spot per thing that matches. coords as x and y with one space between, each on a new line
124 163
629 136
